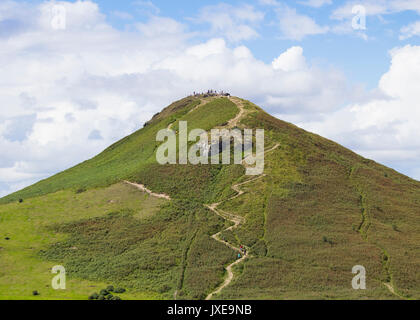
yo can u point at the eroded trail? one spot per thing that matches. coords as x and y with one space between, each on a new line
144 189
234 122
237 220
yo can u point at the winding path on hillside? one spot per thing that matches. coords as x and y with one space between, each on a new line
234 122
235 219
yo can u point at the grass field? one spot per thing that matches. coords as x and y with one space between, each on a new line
28 227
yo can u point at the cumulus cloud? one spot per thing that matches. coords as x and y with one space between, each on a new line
58 85
410 31
291 60
18 128
268 2
236 23
295 26
146 7
316 3
160 26
376 7
122 15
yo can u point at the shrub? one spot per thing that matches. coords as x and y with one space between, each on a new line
110 288
109 296
326 240
330 241
116 298
164 289
119 290
20 200
101 297
103 292
35 293
81 190
94 296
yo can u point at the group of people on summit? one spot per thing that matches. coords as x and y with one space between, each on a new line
211 93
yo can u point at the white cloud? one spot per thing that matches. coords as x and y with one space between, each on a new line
346 28
291 60
410 31
235 23
376 7
159 26
146 7
268 2
296 26
122 15
316 3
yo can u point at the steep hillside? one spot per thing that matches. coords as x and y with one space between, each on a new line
316 211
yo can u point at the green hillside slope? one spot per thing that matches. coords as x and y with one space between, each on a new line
318 210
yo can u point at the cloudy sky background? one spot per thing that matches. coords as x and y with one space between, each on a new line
66 94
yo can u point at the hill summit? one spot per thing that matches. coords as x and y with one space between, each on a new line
202 231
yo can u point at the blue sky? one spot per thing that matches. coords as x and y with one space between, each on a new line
68 93
361 60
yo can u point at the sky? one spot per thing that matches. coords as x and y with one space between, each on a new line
76 76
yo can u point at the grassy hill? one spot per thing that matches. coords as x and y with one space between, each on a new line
318 210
